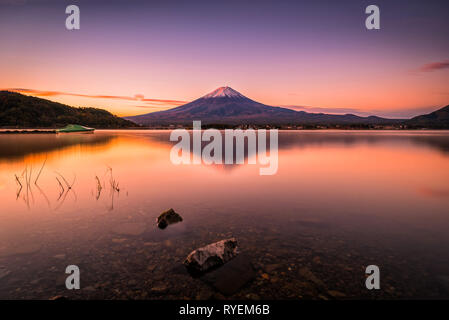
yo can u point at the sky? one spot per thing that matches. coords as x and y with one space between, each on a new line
135 57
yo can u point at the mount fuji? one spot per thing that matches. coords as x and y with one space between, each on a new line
227 106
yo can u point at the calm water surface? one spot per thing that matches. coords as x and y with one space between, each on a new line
341 200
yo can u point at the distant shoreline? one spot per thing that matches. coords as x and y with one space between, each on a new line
54 131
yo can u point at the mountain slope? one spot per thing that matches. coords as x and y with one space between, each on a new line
227 106
17 110
438 119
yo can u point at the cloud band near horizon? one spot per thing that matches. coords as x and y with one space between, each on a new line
137 97
161 104
434 66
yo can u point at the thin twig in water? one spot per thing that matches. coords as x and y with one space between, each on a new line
18 181
18 193
63 200
20 189
73 182
114 184
65 181
62 191
38 175
27 199
44 195
29 178
68 185
99 187
73 190
29 183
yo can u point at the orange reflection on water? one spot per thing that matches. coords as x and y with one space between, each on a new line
324 174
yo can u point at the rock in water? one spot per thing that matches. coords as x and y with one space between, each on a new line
168 217
210 256
231 277
3 272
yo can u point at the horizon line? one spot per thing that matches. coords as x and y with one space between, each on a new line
391 114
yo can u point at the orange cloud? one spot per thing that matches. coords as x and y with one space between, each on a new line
151 107
137 97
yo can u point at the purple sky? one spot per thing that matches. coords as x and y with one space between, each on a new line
290 53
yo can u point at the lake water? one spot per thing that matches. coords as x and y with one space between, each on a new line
340 201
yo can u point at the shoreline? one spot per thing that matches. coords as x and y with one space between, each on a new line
28 131
54 131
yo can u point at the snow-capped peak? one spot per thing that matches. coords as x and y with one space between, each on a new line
224 92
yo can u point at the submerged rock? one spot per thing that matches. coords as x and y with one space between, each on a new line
168 217
3 272
232 277
210 256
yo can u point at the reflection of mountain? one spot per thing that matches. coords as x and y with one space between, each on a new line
13 146
304 139
17 146
227 106
437 140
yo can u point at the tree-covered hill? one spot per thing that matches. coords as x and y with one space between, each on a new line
21 111
438 119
